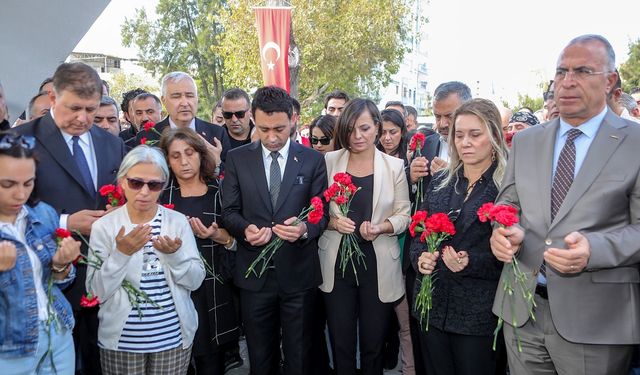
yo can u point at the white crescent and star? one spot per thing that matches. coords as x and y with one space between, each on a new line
268 46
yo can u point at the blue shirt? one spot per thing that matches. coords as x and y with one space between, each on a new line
582 143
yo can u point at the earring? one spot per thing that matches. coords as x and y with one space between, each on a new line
493 155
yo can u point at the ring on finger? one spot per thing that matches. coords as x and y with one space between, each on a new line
572 267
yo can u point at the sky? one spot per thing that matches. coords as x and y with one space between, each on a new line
498 47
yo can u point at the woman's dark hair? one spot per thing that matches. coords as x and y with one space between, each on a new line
396 119
326 124
19 147
347 120
207 165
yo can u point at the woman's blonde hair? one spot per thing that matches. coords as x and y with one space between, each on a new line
489 115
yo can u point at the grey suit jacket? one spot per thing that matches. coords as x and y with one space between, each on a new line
600 305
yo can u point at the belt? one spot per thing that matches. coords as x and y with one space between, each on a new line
541 290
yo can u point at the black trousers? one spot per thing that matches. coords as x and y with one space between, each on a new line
414 325
268 312
85 340
455 354
351 307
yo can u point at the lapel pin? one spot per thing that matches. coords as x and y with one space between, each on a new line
614 136
295 158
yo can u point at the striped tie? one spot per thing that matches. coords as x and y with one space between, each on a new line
274 178
565 170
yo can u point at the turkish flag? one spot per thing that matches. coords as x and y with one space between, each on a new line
274 26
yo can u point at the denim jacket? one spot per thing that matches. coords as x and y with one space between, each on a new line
18 303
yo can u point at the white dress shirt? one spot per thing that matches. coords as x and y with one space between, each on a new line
17 230
444 149
282 161
192 124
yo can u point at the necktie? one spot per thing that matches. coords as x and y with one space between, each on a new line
565 170
274 178
83 166
562 180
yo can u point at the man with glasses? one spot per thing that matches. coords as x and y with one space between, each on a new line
578 240
180 99
237 117
75 159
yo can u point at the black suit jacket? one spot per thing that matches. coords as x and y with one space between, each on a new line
58 179
246 200
205 129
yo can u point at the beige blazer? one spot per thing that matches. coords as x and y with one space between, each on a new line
390 202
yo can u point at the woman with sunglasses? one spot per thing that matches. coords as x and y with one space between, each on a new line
153 248
360 300
193 190
460 332
36 320
321 130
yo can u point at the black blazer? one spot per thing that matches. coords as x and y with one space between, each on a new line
462 301
58 179
246 200
205 129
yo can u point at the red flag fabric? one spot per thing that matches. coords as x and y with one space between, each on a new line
274 27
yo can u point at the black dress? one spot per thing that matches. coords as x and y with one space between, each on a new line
217 323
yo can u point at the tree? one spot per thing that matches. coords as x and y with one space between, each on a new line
120 83
526 101
184 37
630 69
352 45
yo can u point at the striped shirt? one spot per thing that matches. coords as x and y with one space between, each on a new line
159 327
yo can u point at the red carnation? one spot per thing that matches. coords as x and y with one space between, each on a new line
484 212
314 217
148 125
143 140
505 215
416 141
107 189
340 200
62 233
89 300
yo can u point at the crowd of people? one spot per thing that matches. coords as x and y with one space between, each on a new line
153 247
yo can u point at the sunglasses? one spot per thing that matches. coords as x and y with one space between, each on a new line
137 184
239 114
323 141
11 140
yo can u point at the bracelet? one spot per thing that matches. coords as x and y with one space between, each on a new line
229 241
60 270
232 245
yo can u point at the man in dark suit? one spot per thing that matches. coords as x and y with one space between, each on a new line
267 184
75 159
180 99
447 98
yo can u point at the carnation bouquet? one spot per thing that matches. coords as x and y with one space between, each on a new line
313 214
415 145
507 216
432 231
342 192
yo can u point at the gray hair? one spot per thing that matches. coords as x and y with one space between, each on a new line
176 77
144 154
107 100
454 87
628 102
611 55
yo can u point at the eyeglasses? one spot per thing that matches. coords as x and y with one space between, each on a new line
578 74
137 184
239 114
11 140
323 141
